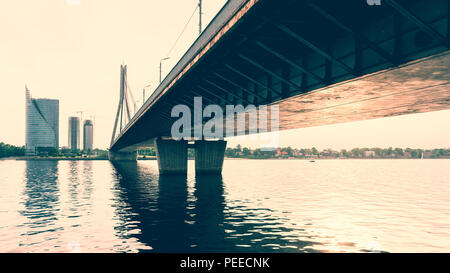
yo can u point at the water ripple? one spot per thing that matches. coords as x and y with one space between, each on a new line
328 206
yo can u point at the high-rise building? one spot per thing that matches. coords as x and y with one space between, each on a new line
74 133
42 124
88 135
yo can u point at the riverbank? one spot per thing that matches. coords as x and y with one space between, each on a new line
26 158
332 158
227 158
31 158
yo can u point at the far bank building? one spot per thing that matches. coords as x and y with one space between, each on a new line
42 124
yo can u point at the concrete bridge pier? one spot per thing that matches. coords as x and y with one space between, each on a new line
171 155
122 156
209 156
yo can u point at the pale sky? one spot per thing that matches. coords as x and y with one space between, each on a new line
73 53
424 130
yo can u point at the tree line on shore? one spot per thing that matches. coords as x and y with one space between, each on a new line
313 153
7 150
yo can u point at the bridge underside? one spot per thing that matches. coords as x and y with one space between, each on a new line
417 87
422 86
322 62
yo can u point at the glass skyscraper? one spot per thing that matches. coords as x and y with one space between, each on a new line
88 135
74 133
42 123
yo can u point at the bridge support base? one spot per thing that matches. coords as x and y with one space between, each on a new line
122 156
171 155
209 156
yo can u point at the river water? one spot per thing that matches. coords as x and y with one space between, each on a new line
256 206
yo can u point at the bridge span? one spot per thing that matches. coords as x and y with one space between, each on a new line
321 62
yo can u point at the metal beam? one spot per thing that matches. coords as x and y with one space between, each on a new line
201 95
211 93
358 56
256 101
254 63
196 94
164 105
422 25
162 114
305 75
328 71
269 89
313 47
223 89
177 99
237 85
287 60
448 21
357 35
184 98
397 25
285 88
248 77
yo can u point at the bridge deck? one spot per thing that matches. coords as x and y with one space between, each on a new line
323 61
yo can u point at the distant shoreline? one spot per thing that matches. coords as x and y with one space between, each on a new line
317 159
227 158
64 159
54 159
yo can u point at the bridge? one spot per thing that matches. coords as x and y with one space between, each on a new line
320 62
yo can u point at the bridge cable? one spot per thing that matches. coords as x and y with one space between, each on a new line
184 29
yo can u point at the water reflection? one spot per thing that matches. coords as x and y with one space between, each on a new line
331 206
74 184
40 198
167 218
41 192
156 207
87 176
209 218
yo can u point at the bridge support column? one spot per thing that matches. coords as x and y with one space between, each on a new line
171 155
209 156
122 156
